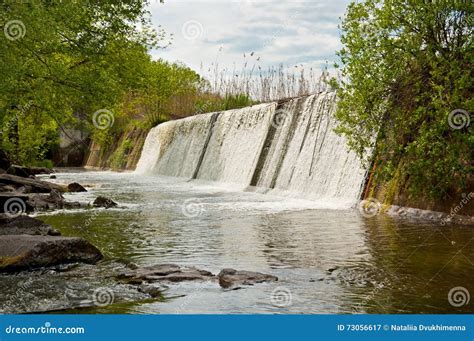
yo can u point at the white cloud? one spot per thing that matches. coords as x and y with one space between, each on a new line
278 32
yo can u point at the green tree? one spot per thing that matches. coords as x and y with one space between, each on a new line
406 69
63 60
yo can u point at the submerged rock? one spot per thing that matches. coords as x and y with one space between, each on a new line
25 225
75 187
230 278
151 290
174 273
23 252
104 202
166 273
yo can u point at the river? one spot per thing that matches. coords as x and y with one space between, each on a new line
327 261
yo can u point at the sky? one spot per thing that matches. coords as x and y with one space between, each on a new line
291 32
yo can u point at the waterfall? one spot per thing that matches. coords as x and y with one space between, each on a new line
285 148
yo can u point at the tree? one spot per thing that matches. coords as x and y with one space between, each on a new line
406 91
64 60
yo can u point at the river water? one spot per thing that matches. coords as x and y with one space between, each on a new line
327 261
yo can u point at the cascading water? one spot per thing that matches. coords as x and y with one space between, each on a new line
287 148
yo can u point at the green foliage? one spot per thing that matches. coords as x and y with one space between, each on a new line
61 61
406 66
236 101
119 157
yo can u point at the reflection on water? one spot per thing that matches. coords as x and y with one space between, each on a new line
327 261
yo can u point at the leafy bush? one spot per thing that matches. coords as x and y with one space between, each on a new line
406 67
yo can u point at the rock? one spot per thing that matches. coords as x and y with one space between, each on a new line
190 274
54 200
25 189
231 277
160 269
40 170
75 187
38 186
166 273
150 290
52 177
7 188
104 202
19 171
23 252
26 225
27 171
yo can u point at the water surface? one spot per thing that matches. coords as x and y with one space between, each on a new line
327 261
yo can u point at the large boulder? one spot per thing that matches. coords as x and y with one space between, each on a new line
25 225
37 186
26 172
23 252
230 278
20 171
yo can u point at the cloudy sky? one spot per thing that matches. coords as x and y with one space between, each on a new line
287 32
